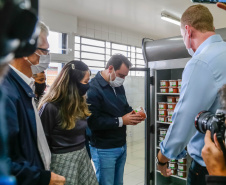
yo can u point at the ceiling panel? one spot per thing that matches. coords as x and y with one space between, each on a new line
142 16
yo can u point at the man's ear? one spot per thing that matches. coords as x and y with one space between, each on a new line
188 29
110 69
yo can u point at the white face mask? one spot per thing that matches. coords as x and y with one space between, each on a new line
190 50
117 82
44 61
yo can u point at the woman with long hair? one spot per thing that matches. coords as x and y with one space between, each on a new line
63 111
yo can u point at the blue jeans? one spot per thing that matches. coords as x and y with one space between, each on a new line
197 174
109 164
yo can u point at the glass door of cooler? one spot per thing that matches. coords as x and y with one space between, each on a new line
167 92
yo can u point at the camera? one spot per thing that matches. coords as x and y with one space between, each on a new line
206 120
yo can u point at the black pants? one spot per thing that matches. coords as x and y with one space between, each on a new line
197 174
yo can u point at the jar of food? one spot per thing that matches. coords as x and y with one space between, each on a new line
161 138
179 82
162 118
164 89
163 131
169 119
173 160
162 105
173 83
164 83
171 105
182 161
162 112
174 171
172 165
170 112
182 167
173 89
171 99
182 174
179 89
177 99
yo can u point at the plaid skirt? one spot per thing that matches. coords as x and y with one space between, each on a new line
75 166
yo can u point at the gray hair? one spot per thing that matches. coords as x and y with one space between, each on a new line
44 30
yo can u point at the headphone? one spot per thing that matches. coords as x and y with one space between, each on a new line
18 28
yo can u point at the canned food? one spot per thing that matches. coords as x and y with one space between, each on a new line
177 99
173 83
182 167
172 165
171 99
163 131
162 112
170 112
162 105
182 174
171 105
161 138
164 83
182 161
179 82
169 118
162 118
173 89
164 89
174 171
173 160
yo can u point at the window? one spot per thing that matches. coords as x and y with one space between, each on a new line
52 71
58 42
95 53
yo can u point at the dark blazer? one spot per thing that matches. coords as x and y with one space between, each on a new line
106 107
25 160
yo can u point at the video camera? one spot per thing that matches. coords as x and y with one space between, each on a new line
18 30
215 123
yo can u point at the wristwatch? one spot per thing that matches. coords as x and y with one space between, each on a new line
159 163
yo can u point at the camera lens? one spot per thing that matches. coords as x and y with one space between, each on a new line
203 121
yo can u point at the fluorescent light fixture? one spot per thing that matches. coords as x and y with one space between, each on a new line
169 18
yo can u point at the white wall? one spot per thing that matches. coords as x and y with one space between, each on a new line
134 87
57 21
66 23
108 33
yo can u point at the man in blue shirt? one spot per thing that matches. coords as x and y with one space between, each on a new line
203 76
110 115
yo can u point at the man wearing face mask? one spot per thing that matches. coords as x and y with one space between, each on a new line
110 115
203 76
40 86
29 152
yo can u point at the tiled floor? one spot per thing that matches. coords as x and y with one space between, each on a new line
134 168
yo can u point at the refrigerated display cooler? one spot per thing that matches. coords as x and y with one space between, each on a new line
165 61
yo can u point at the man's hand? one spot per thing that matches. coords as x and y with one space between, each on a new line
222 6
163 169
131 119
213 156
57 179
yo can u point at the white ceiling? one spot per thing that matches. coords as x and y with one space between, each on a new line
141 16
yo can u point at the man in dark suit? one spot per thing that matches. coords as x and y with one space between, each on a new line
110 115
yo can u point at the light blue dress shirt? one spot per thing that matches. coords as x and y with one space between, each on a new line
203 76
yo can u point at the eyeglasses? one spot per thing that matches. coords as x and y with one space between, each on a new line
44 51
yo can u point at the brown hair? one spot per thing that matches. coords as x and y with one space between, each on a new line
199 17
64 92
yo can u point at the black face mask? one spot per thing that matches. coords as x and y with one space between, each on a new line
83 88
39 88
